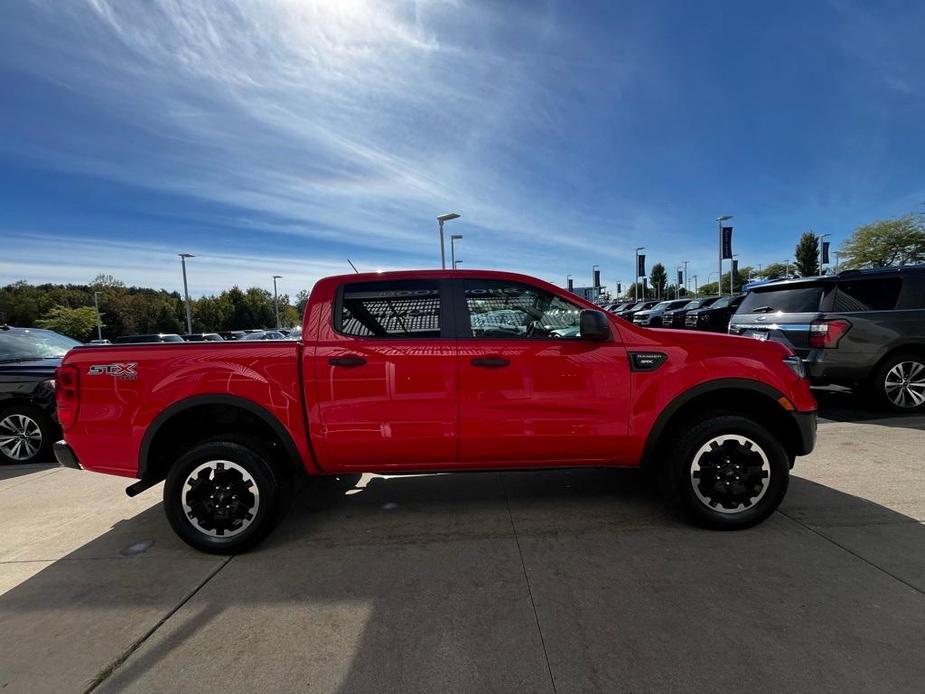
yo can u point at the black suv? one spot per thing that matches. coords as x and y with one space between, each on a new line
675 317
714 317
630 311
861 328
28 425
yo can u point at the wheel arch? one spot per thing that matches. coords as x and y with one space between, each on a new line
170 431
734 395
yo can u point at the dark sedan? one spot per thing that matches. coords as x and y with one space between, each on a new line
675 318
628 313
28 424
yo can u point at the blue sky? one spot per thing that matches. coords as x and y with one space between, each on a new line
281 138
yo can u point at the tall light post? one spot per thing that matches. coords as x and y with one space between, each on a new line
453 239
276 300
687 287
99 320
837 253
636 272
719 281
456 263
441 219
696 291
189 320
821 242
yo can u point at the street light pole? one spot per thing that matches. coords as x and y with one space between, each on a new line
456 262
189 320
719 280
99 321
453 239
696 291
276 299
441 219
687 287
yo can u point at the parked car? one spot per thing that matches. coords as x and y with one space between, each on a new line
155 337
202 337
618 306
675 317
263 335
628 313
715 317
232 334
100 342
28 424
860 328
652 318
385 380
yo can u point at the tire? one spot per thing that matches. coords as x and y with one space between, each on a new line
237 476
26 435
898 383
727 472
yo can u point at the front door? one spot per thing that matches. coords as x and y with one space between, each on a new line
532 392
385 378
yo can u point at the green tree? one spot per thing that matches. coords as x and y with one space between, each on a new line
658 279
776 271
301 301
885 242
73 322
807 255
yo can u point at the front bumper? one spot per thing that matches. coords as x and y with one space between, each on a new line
806 428
66 456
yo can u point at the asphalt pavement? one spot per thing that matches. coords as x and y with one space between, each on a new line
560 581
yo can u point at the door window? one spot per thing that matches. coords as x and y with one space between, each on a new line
873 294
404 308
500 309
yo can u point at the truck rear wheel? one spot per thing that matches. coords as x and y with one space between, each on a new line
223 496
728 472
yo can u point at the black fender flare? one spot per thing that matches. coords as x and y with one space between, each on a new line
217 399
658 429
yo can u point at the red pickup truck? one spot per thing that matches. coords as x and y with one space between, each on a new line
427 371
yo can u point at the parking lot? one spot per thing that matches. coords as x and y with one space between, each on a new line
562 581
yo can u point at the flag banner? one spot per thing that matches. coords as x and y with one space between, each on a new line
571 285
727 242
619 288
641 266
597 279
735 267
825 252
680 277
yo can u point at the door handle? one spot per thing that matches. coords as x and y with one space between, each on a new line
351 360
490 362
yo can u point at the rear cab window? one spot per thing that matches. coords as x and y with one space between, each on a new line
393 309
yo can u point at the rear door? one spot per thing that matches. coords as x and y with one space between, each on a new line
532 392
385 377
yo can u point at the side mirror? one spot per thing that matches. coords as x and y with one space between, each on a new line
593 325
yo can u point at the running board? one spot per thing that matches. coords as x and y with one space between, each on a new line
139 487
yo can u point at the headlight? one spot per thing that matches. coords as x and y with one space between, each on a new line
795 364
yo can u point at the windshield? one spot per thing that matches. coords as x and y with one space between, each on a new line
33 344
725 301
792 300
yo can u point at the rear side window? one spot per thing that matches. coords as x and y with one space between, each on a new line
868 294
403 308
793 300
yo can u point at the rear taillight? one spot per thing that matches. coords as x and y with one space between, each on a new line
825 334
66 379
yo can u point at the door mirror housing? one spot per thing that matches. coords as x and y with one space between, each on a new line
593 325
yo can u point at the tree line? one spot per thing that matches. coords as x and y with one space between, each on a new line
69 309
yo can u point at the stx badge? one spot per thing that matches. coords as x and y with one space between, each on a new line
125 370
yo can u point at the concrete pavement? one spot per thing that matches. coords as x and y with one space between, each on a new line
566 581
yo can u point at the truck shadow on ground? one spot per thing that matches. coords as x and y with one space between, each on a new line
486 582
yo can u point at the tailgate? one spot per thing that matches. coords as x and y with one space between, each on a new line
791 329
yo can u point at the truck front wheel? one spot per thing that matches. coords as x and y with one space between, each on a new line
222 496
728 471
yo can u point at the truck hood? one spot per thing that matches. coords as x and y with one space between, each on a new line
721 342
